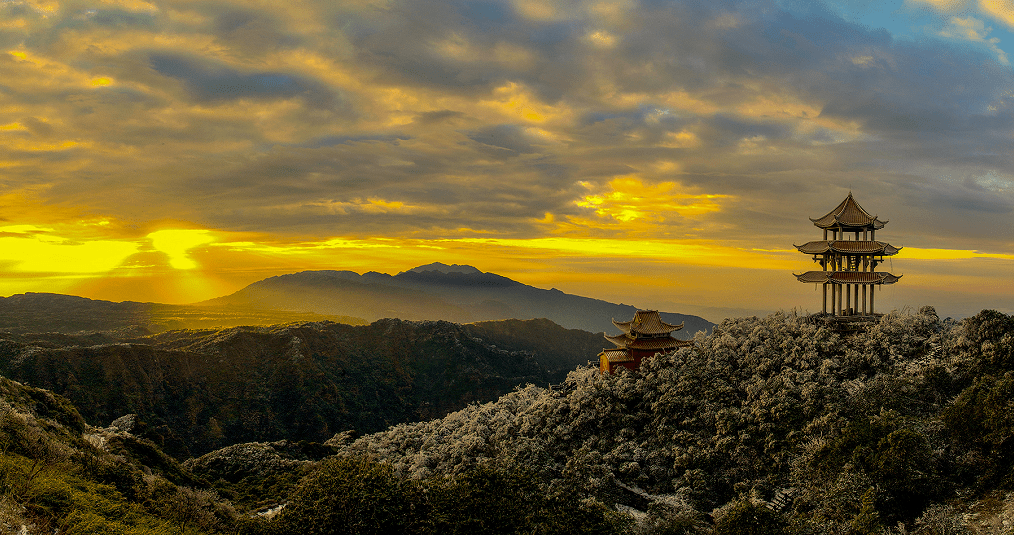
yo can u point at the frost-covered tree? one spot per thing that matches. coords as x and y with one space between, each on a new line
854 432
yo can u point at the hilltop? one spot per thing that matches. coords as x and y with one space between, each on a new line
455 293
461 294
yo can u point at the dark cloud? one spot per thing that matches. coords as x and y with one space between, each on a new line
487 16
979 203
330 141
254 32
115 19
37 127
432 117
508 137
208 81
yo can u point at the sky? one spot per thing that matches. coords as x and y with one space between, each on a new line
665 154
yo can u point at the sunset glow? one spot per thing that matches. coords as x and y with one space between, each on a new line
657 153
176 243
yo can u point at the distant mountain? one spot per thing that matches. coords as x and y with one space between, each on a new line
444 268
56 313
200 390
455 293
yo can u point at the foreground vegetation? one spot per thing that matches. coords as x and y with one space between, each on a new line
769 425
58 475
907 426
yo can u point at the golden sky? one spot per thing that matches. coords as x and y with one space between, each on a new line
660 153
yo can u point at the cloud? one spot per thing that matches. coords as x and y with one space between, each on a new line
974 30
427 117
207 81
511 139
1000 10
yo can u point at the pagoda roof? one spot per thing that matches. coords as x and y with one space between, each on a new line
616 355
646 322
665 342
849 214
848 277
849 247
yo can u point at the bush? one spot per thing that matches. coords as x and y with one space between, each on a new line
748 516
982 417
348 495
503 501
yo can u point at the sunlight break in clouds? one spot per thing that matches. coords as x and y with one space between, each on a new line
176 243
631 199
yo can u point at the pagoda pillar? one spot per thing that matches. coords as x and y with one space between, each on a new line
872 288
825 297
864 298
848 298
832 309
856 300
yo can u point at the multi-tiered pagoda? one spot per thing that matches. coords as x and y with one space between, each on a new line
849 255
642 337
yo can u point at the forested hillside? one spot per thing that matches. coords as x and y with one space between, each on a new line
60 475
907 424
201 390
769 425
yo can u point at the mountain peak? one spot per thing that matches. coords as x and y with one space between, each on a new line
444 268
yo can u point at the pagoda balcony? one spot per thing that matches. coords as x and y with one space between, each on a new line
848 247
847 277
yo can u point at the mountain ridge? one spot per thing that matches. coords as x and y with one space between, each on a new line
203 389
461 294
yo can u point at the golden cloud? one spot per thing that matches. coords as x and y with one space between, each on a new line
629 199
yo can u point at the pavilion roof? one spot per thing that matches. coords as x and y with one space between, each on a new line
848 277
849 214
646 322
666 342
849 247
617 355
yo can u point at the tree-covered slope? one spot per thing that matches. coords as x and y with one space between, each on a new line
201 390
769 425
908 422
60 475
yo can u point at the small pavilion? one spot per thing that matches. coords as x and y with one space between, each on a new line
848 256
644 336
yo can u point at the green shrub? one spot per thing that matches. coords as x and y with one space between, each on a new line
348 495
897 458
746 516
982 417
989 334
